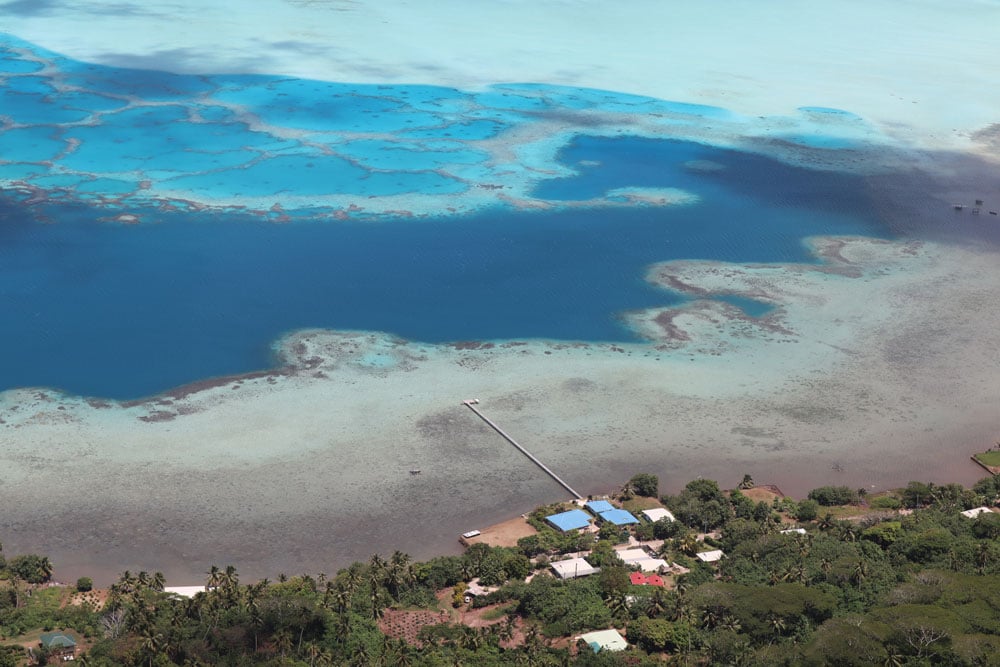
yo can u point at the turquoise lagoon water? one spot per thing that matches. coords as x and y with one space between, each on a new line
125 311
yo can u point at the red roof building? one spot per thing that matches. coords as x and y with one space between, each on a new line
640 579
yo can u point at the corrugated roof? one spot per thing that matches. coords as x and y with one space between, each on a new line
599 506
57 640
619 517
571 520
657 513
607 640
573 568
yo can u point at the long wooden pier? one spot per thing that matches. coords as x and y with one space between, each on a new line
471 404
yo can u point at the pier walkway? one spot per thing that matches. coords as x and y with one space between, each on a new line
471 404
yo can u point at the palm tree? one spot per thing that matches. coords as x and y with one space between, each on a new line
308 583
860 572
688 544
229 579
158 581
506 632
777 625
747 483
353 578
983 557
313 651
152 641
731 623
657 603
283 641
618 605
710 618
45 568
214 577
892 658
826 523
847 532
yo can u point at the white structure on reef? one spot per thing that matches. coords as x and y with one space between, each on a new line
710 556
573 568
658 513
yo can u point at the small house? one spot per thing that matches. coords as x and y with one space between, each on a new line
58 645
619 517
605 640
569 521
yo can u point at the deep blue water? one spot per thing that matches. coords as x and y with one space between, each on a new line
127 311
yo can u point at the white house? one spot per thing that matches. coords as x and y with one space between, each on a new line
658 513
605 640
710 556
573 568
976 511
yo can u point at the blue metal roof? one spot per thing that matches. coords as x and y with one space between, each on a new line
571 520
598 506
619 517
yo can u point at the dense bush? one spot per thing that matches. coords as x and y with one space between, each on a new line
834 495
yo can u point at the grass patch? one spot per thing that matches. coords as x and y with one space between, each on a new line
639 503
991 458
496 613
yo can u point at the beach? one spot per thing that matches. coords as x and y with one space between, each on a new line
875 365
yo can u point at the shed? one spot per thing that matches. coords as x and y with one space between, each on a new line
658 513
632 555
597 507
619 517
652 564
976 511
793 531
571 520
58 644
573 568
710 556
605 640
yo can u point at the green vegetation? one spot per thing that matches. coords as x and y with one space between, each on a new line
834 495
990 458
886 588
645 485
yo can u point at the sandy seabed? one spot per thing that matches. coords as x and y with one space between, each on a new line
880 361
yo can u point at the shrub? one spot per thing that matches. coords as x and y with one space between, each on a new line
84 584
807 510
645 484
834 495
885 503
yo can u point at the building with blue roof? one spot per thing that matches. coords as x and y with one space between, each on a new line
596 507
619 517
571 520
